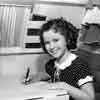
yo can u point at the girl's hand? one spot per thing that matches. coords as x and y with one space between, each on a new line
41 76
25 80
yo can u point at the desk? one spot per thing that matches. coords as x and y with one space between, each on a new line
13 90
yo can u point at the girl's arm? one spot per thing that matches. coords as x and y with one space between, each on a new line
85 92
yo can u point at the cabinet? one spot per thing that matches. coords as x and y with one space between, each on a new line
30 31
31 37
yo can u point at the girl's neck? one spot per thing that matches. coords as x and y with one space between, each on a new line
64 57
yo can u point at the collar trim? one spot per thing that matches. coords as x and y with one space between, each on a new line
66 63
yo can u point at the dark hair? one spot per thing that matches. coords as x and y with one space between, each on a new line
65 28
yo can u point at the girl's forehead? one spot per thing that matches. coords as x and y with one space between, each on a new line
51 33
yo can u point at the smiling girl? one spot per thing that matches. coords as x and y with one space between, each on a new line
58 37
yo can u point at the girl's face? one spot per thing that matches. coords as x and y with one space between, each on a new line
55 43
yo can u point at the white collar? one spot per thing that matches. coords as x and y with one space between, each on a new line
66 63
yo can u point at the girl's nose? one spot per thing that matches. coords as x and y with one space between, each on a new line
52 45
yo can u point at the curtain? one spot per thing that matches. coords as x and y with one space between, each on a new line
7 24
11 21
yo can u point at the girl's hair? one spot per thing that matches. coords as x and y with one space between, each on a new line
65 28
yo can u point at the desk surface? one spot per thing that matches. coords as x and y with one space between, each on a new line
13 90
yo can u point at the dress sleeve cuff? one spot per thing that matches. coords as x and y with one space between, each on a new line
85 80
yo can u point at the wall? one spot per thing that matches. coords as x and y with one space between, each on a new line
15 65
52 11
29 2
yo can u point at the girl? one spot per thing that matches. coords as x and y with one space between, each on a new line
58 37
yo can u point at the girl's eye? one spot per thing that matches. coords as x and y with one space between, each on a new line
46 42
56 40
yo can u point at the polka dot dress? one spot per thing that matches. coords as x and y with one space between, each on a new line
76 74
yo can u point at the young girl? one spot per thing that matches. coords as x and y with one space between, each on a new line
58 37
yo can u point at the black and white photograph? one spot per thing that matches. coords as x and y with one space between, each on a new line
50 49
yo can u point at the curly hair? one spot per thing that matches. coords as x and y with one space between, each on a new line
65 28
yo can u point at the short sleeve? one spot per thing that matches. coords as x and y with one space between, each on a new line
83 74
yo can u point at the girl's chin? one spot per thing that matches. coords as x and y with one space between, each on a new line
55 56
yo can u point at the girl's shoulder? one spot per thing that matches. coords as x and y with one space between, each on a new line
50 63
49 67
79 65
79 60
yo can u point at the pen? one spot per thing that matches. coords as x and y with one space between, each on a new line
27 75
35 98
62 94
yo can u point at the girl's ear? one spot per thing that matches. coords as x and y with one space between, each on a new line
68 43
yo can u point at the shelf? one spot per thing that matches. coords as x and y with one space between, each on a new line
34 24
19 51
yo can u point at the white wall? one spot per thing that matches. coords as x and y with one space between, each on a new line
73 14
15 65
29 2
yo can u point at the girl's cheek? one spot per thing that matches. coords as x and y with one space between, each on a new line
47 47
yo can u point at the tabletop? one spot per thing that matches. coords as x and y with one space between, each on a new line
13 90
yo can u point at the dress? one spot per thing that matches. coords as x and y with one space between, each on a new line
77 71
